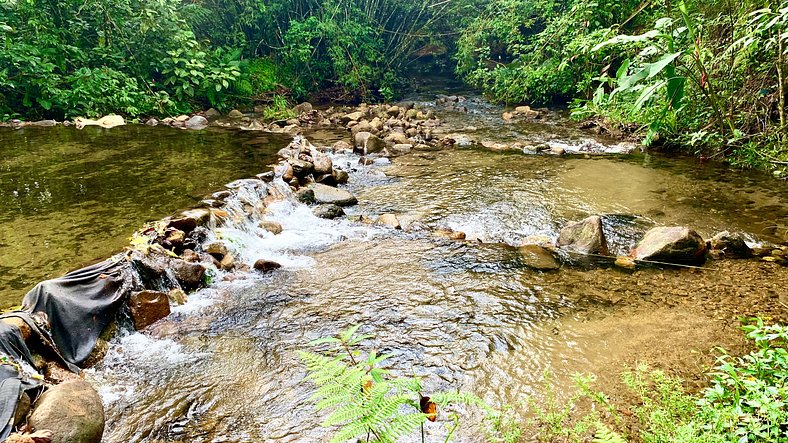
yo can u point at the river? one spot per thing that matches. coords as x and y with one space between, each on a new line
461 314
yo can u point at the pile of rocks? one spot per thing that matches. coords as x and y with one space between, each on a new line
585 240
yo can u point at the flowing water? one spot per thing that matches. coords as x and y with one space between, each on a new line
462 315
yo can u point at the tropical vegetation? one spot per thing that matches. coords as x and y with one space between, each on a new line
703 76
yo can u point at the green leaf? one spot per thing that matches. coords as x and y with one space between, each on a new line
657 67
646 95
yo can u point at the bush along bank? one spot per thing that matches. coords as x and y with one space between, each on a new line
704 77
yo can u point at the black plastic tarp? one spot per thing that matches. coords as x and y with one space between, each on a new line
80 305
13 382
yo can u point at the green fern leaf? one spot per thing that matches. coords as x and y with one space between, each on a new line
605 435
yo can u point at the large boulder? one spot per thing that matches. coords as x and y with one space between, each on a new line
148 307
367 143
584 237
678 245
73 412
334 196
729 245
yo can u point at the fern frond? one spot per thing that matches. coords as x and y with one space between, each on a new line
383 410
605 435
351 431
344 414
404 424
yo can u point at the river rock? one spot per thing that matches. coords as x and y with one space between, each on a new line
73 412
329 195
264 266
189 275
342 147
189 220
401 149
152 122
538 257
367 143
196 122
679 245
212 113
584 237
227 263
306 196
148 307
322 163
303 108
108 121
177 296
341 176
362 126
235 114
396 138
271 226
353 116
729 245
216 248
526 111
301 168
328 211
389 220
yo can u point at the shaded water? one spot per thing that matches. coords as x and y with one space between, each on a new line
70 197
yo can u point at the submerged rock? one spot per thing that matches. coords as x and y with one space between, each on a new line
329 195
73 412
584 237
729 245
538 257
389 220
148 307
678 245
328 211
271 226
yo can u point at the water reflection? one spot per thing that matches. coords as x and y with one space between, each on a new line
70 197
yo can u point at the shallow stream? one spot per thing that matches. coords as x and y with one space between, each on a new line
463 315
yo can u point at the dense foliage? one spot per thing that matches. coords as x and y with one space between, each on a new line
63 58
708 76
704 75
